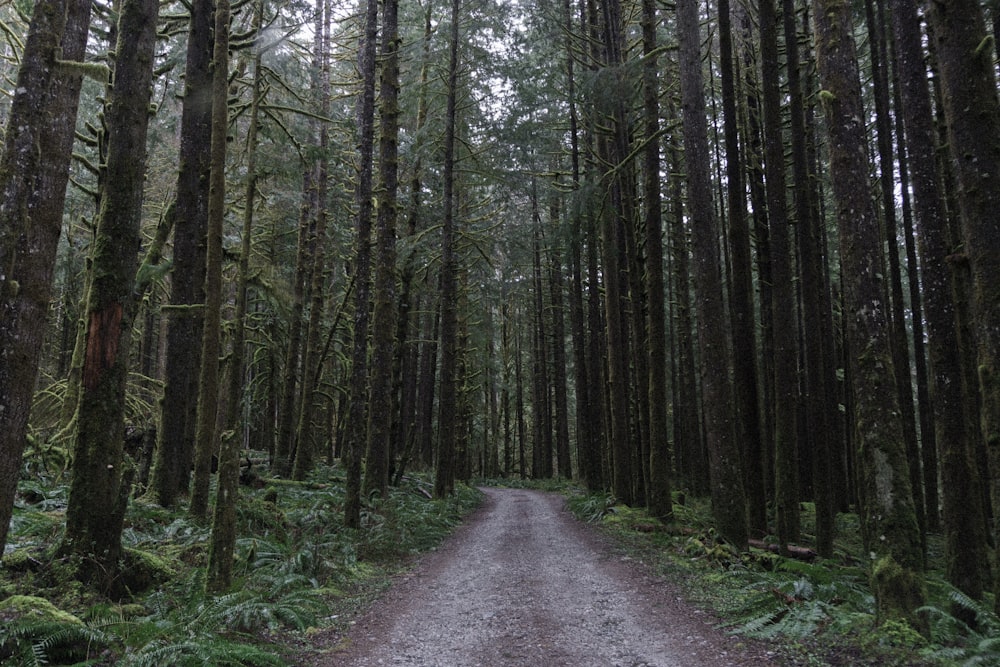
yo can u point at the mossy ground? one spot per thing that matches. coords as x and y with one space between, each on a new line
815 613
298 571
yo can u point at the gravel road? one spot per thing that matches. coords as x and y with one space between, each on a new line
524 583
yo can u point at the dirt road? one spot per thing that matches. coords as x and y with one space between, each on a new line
523 583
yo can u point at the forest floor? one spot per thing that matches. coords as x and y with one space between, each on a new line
525 583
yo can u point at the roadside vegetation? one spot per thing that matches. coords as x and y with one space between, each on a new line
816 611
297 569
302 577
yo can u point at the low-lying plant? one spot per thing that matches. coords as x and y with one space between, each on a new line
294 561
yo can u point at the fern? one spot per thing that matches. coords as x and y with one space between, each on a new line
36 642
592 507
967 634
777 605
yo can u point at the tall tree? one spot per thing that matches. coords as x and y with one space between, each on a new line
176 434
223 540
815 309
99 489
963 511
785 371
357 416
448 424
305 448
32 194
658 495
889 523
381 412
742 306
972 110
206 436
728 496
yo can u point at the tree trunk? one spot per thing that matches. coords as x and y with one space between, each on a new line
357 418
973 113
206 440
898 338
175 443
889 523
35 191
381 414
312 365
814 300
728 496
223 540
99 488
658 496
785 371
448 418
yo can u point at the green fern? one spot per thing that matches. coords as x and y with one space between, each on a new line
797 606
968 634
591 507
38 642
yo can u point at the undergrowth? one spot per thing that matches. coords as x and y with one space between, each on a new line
295 564
817 613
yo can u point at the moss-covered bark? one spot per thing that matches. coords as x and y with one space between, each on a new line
381 417
728 497
889 523
175 436
972 109
99 490
964 525
40 126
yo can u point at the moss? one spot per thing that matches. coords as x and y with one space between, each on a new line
19 606
142 570
20 560
899 592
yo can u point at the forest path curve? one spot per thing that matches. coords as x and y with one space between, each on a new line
524 583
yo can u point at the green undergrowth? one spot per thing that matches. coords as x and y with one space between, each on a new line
813 612
297 571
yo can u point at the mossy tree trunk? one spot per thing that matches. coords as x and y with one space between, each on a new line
448 417
963 510
99 487
223 540
305 446
178 414
382 413
972 110
742 305
727 478
815 302
363 190
785 361
889 522
206 436
33 190
658 496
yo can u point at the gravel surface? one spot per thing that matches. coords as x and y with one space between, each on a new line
524 583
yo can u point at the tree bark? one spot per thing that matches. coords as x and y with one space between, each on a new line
206 440
972 111
178 415
785 371
728 496
381 415
99 488
33 191
357 417
448 418
889 524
